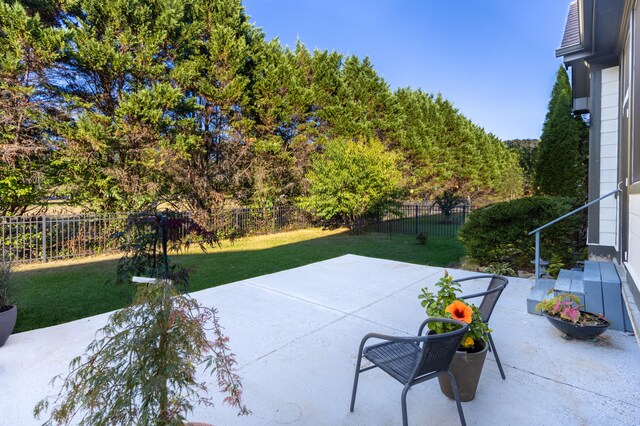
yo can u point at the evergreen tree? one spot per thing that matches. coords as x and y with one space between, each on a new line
114 76
282 108
526 149
184 101
28 110
561 167
214 74
446 153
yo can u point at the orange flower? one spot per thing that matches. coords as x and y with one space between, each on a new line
460 311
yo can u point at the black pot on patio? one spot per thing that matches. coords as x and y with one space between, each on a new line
595 325
466 368
7 322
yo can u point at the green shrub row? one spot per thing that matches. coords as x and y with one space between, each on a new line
499 232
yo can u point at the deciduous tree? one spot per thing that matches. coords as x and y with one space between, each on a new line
350 179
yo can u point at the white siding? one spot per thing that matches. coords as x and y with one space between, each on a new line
633 258
609 156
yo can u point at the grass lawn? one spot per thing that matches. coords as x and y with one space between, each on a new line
59 292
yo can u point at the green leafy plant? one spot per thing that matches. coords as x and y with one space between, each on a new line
6 285
141 369
564 305
500 268
446 304
555 265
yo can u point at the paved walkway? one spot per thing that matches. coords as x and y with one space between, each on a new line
296 334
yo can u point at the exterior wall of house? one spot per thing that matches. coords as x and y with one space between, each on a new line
633 257
629 164
608 208
614 140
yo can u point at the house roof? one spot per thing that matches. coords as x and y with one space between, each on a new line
571 37
592 31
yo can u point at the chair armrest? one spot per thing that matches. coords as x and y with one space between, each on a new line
474 277
484 293
436 319
390 338
409 339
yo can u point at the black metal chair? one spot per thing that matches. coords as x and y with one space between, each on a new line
489 299
413 359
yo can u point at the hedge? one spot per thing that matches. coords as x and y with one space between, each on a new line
499 232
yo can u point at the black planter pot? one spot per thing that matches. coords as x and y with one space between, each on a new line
466 368
578 331
7 322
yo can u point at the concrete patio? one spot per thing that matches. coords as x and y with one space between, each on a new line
296 334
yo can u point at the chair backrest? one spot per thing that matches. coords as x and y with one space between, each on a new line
496 286
438 350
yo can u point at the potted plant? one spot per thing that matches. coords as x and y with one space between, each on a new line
8 311
565 312
141 368
469 359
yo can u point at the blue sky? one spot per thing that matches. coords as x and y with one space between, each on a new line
494 59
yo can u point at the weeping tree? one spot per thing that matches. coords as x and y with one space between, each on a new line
150 236
141 369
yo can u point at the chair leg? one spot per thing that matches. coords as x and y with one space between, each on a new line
405 420
492 346
456 394
355 382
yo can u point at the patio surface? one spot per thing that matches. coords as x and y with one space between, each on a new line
296 333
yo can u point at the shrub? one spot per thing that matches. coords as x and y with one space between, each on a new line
421 238
499 232
500 268
351 179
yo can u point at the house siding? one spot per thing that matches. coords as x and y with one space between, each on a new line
609 107
633 255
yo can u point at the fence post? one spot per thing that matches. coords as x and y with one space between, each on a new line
416 219
44 237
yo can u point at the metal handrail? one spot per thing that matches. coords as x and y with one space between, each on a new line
537 231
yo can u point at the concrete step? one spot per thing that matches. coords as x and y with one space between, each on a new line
593 287
614 307
570 282
598 289
541 290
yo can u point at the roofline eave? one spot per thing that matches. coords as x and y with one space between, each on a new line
576 49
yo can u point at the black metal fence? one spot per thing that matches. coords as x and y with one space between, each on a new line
51 237
29 239
233 223
413 219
